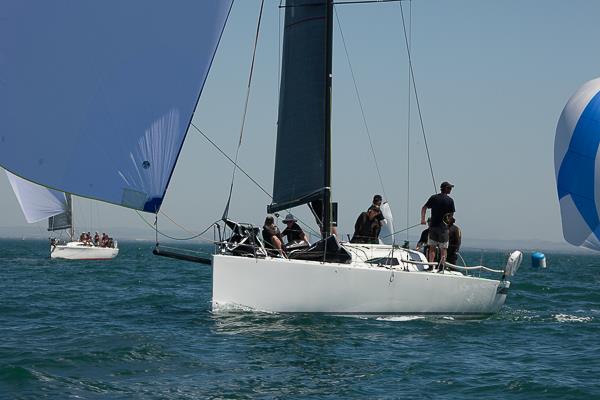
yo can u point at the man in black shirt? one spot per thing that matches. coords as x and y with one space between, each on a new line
422 243
367 227
454 239
293 232
442 208
377 200
272 236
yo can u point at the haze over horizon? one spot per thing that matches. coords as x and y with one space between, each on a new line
492 79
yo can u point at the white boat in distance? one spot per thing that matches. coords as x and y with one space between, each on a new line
142 92
82 251
39 203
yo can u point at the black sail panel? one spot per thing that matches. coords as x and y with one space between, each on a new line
63 220
300 158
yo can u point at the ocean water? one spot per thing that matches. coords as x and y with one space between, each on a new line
141 327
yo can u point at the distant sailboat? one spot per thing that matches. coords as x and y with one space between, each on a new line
39 203
128 90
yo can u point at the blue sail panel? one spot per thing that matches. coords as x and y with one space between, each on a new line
96 97
578 166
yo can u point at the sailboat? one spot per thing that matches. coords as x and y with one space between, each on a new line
140 87
39 203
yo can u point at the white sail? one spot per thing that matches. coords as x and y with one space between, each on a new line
37 202
386 235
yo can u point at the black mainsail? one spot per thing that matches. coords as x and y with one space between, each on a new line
302 161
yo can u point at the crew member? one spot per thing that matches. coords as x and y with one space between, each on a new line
442 209
293 232
271 235
377 200
422 243
454 239
367 227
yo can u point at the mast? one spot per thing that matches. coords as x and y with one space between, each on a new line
327 147
72 227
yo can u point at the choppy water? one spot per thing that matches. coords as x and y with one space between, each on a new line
140 326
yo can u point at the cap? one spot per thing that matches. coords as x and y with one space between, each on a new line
289 218
377 197
446 185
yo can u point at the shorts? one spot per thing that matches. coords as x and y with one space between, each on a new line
438 236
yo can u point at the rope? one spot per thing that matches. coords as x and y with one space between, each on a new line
401 230
155 228
414 85
232 161
175 223
245 173
237 152
362 111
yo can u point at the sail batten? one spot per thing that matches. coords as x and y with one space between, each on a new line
99 96
300 158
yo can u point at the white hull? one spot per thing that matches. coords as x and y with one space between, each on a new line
80 251
279 285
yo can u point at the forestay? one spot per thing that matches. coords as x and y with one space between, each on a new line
577 166
96 97
37 202
300 157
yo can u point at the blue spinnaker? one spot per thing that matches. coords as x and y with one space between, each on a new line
577 166
96 96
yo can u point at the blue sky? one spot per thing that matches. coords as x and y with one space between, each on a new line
492 78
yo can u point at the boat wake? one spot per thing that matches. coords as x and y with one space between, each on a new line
572 318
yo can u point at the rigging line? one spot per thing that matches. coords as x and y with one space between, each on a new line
231 160
155 227
408 123
244 172
237 152
362 111
414 85
400 231
170 219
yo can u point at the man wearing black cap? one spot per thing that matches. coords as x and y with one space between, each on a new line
442 209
